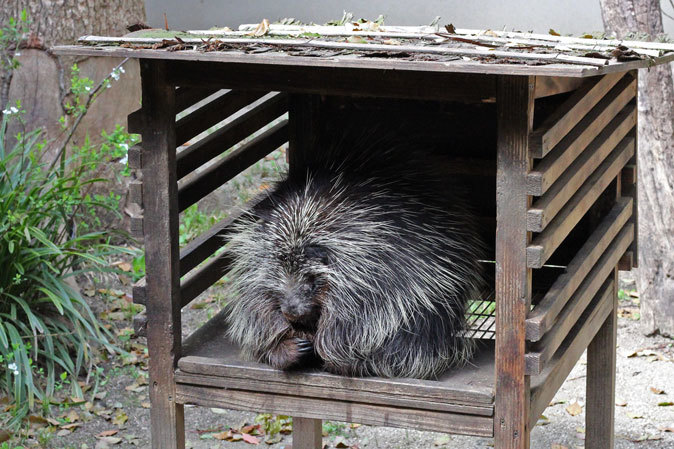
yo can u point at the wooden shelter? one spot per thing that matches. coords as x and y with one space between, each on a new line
543 130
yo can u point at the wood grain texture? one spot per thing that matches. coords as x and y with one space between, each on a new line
135 160
515 101
203 183
202 278
204 150
544 314
161 255
554 85
600 386
569 113
307 433
546 208
545 385
213 112
545 243
356 412
136 192
573 144
189 96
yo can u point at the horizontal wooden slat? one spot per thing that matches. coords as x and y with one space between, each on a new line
199 280
134 157
542 352
542 317
564 118
546 208
224 138
335 410
234 163
136 192
138 292
189 96
545 385
545 243
565 152
135 122
214 112
554 85
210 241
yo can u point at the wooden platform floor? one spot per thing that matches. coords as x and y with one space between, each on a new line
212 373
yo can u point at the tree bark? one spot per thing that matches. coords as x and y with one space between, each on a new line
656 165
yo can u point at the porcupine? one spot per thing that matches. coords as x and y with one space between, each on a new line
362 262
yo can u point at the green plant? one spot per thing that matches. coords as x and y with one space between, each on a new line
47 330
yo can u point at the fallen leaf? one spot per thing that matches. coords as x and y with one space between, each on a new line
72 416
340 442
356 40
666 429
146 404
261 29
250 439
620 402
63 432
665 404
574 409
634 415
108 433
120 419
553 32
442 440
71 426
656 390
273 439
391 42
219 411
543 421
125 266
451 29
4 436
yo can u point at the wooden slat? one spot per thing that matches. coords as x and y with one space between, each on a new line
138 292
307 433
189 96
214 112
545 385
564 118
199 280
210 358
542 352
515 106
134 157
221 140
211 240
565 152
545 313
136 192
546 208
135 122
554 85
545 243
234 163
140 325
336 410
136 226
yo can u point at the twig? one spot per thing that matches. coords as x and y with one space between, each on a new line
79 118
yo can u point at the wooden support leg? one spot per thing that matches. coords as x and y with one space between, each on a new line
162 257
307 433
515 100
600 389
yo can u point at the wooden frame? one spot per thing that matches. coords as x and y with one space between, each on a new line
564 194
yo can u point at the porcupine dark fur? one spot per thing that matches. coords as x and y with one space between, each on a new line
363 262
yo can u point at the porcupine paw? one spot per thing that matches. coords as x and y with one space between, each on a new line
293 353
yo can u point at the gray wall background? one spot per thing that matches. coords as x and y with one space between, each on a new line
570 16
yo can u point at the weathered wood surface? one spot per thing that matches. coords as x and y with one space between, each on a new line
210 358
545 385
207 148
307 433
515 104
573 144
161 255
545 243
189 96
562 121
376 415
546 208
542 317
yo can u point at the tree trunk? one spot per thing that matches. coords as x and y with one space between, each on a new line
656 165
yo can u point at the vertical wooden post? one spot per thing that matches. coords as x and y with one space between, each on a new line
162 259
307 433
303 128
515 104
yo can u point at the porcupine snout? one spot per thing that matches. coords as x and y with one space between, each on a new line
298 305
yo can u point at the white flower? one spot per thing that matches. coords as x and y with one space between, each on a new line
13 368
114 75
121 69
10 111
124 146
124 159
87 88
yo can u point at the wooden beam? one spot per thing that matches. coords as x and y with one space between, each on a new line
307 433
161 254
546 384
554 85
573 144
233 132
544 314
199 280
515 103
546 208
213 113
231 165
189 96
545 243
569 113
